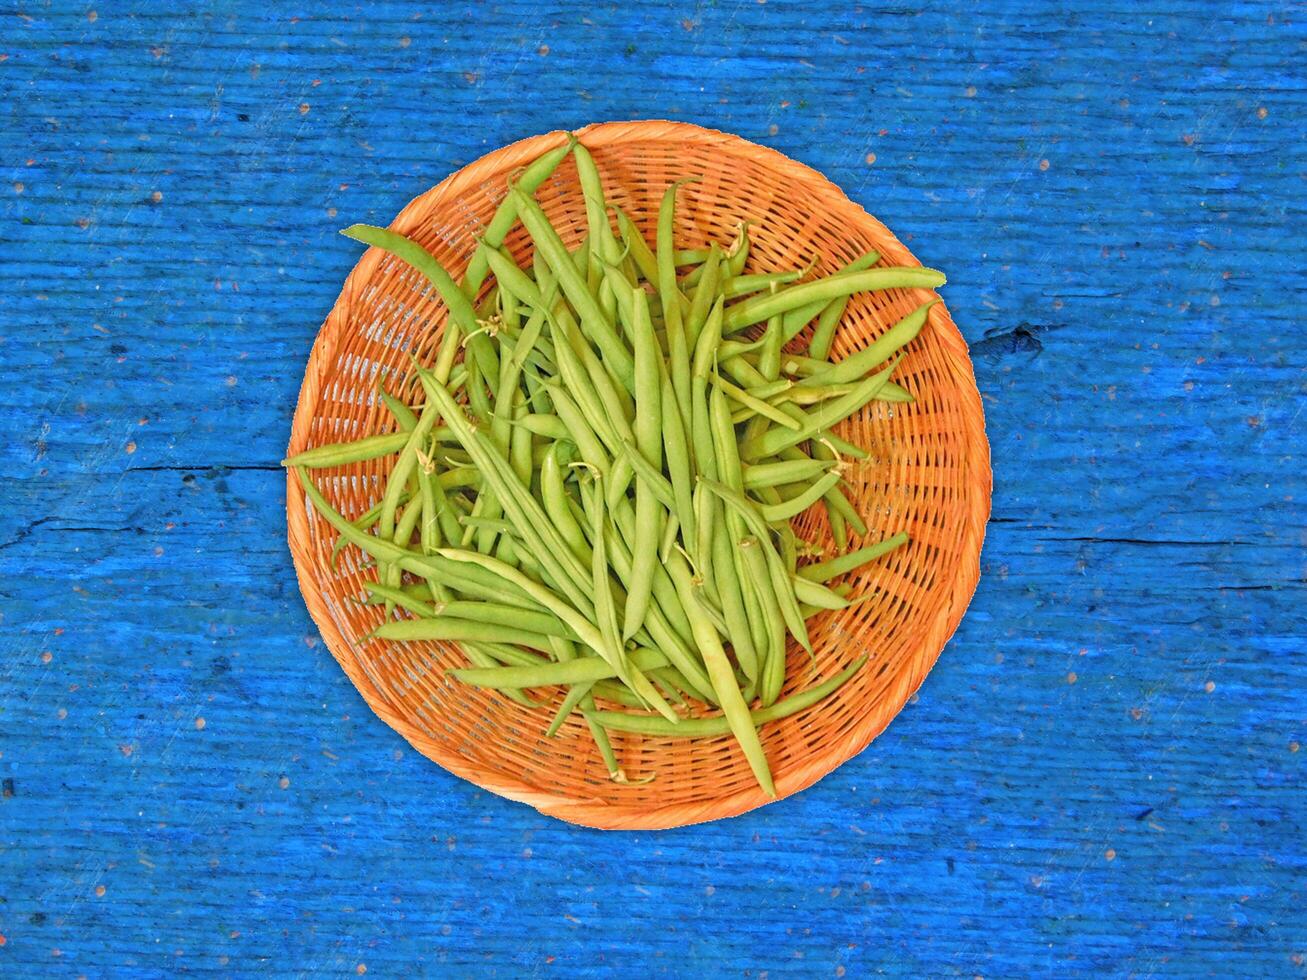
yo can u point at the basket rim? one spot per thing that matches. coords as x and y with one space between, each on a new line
596 813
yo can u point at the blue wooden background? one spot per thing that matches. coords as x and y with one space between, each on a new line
1102 774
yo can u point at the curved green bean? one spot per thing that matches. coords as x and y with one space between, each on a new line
719 725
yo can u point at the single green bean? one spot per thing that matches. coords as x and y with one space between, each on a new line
816 595
548 426
656 727
824 571
798 504
723 678
554 497
459 629
344 453
856 366
578 671
766 619
506 214
678 351
795 320
826 415
705 294
404 416
759 308
824 332
784 471
742 397
679 470
742 285
598 325
738 254
400 598
776 569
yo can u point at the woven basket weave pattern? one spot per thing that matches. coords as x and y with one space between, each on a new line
928 474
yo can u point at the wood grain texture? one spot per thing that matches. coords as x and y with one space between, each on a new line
1102 773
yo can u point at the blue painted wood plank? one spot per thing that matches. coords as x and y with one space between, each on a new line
1102 775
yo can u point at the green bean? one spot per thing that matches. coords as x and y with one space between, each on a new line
619 479
798 504
606 610
828 414
660 488
824 332
742 285
554 498
577 694
738 254
732 601
579 671
759 308
764 409
705 294
405 417
816 595
733 589
581 260
460 307
795 320
604 245
656 727
776 570
503 613
442 628
692 256
766 620
548 426
595 322
678 351
477 399
839 528
512 279
344 453
677 452
400 598
643 257
784 471
671 529
506 214
824 571
723 678
769 355
857 365
705 519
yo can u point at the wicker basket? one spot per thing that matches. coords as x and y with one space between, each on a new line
928 474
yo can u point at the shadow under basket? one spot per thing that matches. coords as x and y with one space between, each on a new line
928 474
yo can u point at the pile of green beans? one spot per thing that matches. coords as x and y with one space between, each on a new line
596 491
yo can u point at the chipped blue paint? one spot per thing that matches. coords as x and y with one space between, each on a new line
1101 775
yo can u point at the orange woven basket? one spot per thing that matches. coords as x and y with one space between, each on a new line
928 474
